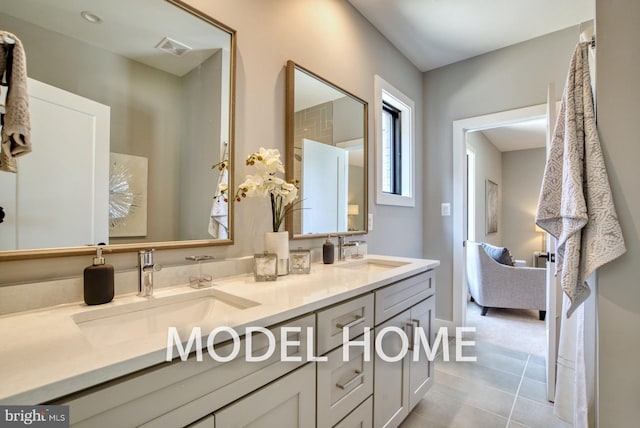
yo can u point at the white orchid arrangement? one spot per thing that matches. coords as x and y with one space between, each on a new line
265 183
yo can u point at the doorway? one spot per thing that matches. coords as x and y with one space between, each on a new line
460 193
509 160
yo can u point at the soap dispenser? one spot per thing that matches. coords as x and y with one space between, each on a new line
98 281
328 252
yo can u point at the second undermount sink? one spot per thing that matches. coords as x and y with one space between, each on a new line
130 321
371 265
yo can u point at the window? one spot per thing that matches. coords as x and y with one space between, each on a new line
394 146
391 150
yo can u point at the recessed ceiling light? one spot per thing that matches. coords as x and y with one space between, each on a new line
91 17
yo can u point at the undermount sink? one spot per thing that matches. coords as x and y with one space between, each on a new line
121 323
371 265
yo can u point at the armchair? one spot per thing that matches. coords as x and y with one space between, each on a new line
494 285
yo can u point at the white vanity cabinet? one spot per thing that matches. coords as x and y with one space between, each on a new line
399 385
361 390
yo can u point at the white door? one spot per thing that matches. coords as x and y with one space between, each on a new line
60 195
325 171
554 291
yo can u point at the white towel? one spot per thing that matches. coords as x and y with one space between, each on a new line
576 204
16 130
219 219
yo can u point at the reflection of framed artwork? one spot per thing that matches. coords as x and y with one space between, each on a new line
491 204
127 195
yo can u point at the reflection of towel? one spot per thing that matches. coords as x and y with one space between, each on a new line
219 220
16 129
576 205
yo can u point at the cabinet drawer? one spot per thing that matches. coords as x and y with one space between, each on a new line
342 385
356 314
362 417
188 390
402 295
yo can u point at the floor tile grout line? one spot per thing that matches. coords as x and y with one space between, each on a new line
515 399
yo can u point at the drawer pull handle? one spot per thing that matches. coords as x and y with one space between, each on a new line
359 375
359 320
411 336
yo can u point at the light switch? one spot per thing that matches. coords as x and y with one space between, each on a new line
445 209
370 225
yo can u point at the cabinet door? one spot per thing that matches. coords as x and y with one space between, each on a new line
421 371
391 379
289 402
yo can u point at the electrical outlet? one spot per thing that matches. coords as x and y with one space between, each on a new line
445 209
370 225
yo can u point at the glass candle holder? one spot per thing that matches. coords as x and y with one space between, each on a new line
265 267
360 250
300 261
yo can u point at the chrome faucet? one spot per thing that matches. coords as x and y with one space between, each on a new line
146 267
341 248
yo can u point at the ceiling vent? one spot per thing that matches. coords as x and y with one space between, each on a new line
173 47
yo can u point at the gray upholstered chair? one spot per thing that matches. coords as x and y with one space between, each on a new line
494 285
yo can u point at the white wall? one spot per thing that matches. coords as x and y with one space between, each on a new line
522 176
618 92
509 78
330 38
488 167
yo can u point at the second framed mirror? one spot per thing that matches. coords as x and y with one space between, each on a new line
326 131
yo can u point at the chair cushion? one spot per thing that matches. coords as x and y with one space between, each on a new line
499 254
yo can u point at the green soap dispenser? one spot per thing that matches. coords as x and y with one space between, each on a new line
98 281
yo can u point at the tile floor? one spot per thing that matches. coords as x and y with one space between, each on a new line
503 388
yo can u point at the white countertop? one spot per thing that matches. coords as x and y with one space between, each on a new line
45 355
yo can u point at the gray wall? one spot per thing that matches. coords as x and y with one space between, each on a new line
513 77
488 167
199 147
522 176
618 92
348 54
348 120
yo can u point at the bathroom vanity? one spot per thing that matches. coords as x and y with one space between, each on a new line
108 363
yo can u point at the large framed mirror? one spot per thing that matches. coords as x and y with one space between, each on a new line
131 104
326 131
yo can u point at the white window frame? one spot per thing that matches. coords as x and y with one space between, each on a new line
385 92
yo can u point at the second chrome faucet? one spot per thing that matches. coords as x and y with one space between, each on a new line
146 268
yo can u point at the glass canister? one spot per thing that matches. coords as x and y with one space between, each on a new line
360 250
265 267
300 261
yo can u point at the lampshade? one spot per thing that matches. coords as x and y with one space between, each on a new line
353 209
539 229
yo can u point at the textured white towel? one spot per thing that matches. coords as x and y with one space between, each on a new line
575 204
16 131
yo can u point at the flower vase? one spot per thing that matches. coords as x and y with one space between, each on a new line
278 243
